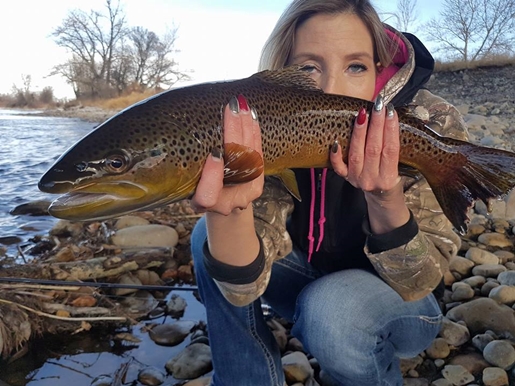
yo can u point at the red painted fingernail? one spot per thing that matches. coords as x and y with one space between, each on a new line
362 116
244 106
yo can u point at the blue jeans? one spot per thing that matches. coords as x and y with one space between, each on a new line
351 321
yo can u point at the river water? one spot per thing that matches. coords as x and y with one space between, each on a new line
29 144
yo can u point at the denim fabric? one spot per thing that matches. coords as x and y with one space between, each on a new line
351 321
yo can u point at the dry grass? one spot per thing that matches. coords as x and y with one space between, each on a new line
119 103
495 61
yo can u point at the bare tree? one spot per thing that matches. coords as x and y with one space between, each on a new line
92 39
406 15
469 30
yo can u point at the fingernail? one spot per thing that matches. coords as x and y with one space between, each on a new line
390 110
254 114
362 116
379 103
234 105
244 106
334 147
216 153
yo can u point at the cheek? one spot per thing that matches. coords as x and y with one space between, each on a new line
363 88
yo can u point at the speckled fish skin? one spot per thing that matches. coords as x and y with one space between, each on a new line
153 152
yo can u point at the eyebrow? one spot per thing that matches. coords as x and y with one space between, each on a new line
351 56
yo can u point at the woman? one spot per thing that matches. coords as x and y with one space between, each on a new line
353 264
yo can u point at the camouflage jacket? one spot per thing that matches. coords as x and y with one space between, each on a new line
413 269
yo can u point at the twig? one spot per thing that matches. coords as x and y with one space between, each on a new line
21 254
68 319
39 286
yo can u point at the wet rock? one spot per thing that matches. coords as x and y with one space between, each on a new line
153 235
454 334
494 376
151 376
130 279
500 353
32 208
296 367
10 240
457 375
485 314
193 362
140 304
176 306
171 334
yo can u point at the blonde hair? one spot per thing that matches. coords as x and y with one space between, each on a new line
279 45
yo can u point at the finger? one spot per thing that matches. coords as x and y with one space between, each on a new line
374 141
336 159
211 182
389 168
232 122
357 145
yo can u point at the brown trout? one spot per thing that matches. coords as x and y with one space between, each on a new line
153 152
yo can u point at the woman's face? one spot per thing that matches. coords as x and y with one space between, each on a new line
340 51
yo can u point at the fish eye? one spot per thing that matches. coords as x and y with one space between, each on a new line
116 163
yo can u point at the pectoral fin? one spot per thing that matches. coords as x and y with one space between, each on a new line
242 164
287 177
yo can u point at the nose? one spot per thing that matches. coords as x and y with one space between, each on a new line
333 84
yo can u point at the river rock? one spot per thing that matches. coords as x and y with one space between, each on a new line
461 265
461 291
488 270
141 303
129 279
485 314
454 333
504 294
65 228
176 306
481 340
130 221
495 376
151 376
507 278
439 349
457 375
171 334
480 256
505 256
296 367
153 235
475 281
32 208
193 362
204 381
442 382
488 287
500 353
473 362
495 240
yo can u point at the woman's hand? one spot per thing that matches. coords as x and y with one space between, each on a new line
230 219
373 166
211 195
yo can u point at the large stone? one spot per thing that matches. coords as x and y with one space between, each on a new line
193 362
454 334
171 334
485 314
495 239
504 294
495 376
457 375
488 270
507 278
500 353
461 265
152 235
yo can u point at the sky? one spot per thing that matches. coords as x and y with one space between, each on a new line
217 39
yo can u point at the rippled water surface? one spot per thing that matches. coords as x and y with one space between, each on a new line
29 144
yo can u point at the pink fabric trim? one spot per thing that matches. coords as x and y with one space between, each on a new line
400 58
321 221
311 216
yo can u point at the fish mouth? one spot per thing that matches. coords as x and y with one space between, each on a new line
99 201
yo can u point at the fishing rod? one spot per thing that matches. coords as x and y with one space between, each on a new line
99 285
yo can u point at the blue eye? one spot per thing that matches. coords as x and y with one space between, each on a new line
309 68
357 68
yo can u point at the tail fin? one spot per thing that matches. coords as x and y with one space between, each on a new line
483 173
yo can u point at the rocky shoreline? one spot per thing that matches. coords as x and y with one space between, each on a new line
476 345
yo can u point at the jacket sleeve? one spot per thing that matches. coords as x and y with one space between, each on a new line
271 211
416 268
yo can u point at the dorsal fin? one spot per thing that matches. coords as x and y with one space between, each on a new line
291 76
